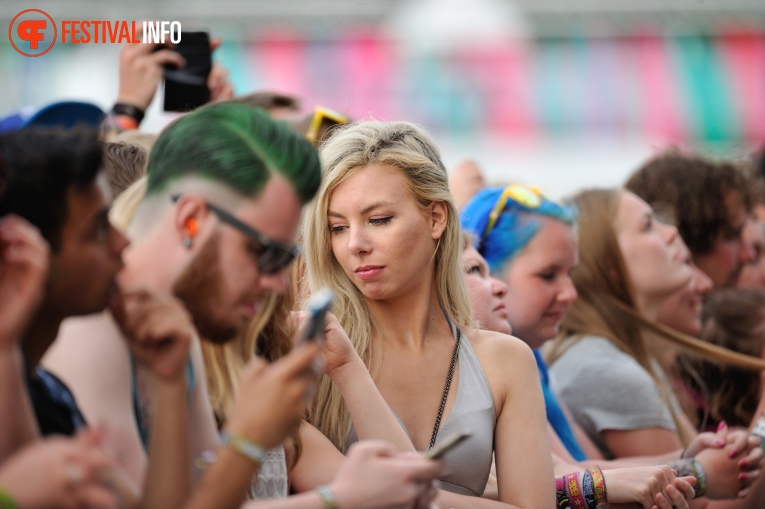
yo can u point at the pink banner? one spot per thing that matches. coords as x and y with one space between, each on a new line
743 58
663 107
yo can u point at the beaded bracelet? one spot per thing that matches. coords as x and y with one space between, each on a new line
701 477
599 484
244 447
6 501
327 498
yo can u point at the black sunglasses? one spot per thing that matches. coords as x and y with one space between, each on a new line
274 256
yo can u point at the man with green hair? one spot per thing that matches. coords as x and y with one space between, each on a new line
226 186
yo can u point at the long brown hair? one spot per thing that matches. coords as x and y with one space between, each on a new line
732 318
606 304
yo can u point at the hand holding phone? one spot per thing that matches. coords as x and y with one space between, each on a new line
186 87
317 307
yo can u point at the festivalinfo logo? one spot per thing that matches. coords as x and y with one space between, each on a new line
33 32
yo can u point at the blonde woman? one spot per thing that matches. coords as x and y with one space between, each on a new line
384 235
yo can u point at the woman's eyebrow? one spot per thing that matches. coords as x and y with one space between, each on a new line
366 210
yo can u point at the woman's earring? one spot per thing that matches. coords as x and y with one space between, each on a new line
187 242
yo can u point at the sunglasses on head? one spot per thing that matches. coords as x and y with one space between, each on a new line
273 256
323 117
527 197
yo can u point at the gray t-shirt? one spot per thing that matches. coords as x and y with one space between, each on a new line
606 388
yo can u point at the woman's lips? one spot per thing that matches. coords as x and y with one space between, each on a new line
368 272
502 310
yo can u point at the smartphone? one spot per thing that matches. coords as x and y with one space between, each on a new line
317 307
186 88
446 445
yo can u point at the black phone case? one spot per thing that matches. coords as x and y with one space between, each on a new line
186 88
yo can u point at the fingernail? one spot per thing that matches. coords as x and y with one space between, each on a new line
731 454
721 426
742 464
720 443
743 477
743 493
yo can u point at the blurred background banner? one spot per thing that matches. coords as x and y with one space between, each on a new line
561 93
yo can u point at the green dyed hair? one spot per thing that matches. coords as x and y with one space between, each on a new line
236 145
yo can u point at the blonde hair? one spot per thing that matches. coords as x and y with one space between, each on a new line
408 148
606 303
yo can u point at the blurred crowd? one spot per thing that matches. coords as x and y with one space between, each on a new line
156 350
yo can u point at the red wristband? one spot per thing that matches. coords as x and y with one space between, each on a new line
575 495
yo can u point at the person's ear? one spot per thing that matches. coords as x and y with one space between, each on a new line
439 215
190 213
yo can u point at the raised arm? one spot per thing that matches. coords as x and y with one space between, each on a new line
23 269
372 417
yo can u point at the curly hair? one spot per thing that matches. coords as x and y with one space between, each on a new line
691 191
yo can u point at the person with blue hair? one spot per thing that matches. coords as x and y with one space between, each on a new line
526 239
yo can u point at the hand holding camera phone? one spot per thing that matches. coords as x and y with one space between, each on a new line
317 307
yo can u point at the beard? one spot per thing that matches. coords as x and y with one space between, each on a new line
200 288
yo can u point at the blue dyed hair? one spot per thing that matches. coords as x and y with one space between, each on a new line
516 226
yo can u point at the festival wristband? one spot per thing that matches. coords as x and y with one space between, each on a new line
561 496
574 490
588 490
599 484
327 498
115 124
6 501
128 110
244 447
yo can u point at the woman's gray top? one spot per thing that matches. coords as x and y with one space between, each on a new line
469 463
606 389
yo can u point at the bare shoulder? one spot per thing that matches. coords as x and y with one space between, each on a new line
92 358
495 348
507 362
93 340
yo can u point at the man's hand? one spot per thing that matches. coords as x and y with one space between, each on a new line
158 330
270 400
24 258
141 72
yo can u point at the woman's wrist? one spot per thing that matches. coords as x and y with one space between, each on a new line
244 447
348 373
327 497
585 491
691 467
